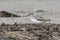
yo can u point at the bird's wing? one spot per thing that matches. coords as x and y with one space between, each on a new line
43 19
40 18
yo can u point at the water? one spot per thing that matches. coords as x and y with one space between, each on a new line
51 6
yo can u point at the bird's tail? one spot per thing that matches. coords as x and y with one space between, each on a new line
48 20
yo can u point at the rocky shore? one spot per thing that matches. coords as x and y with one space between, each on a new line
29 31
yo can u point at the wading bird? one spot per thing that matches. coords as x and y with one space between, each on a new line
35 21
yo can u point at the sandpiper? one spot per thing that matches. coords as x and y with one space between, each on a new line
35 21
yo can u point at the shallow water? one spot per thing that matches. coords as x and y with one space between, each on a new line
51 6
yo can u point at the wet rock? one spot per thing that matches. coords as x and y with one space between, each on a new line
28 31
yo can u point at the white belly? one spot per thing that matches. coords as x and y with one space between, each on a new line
36 22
